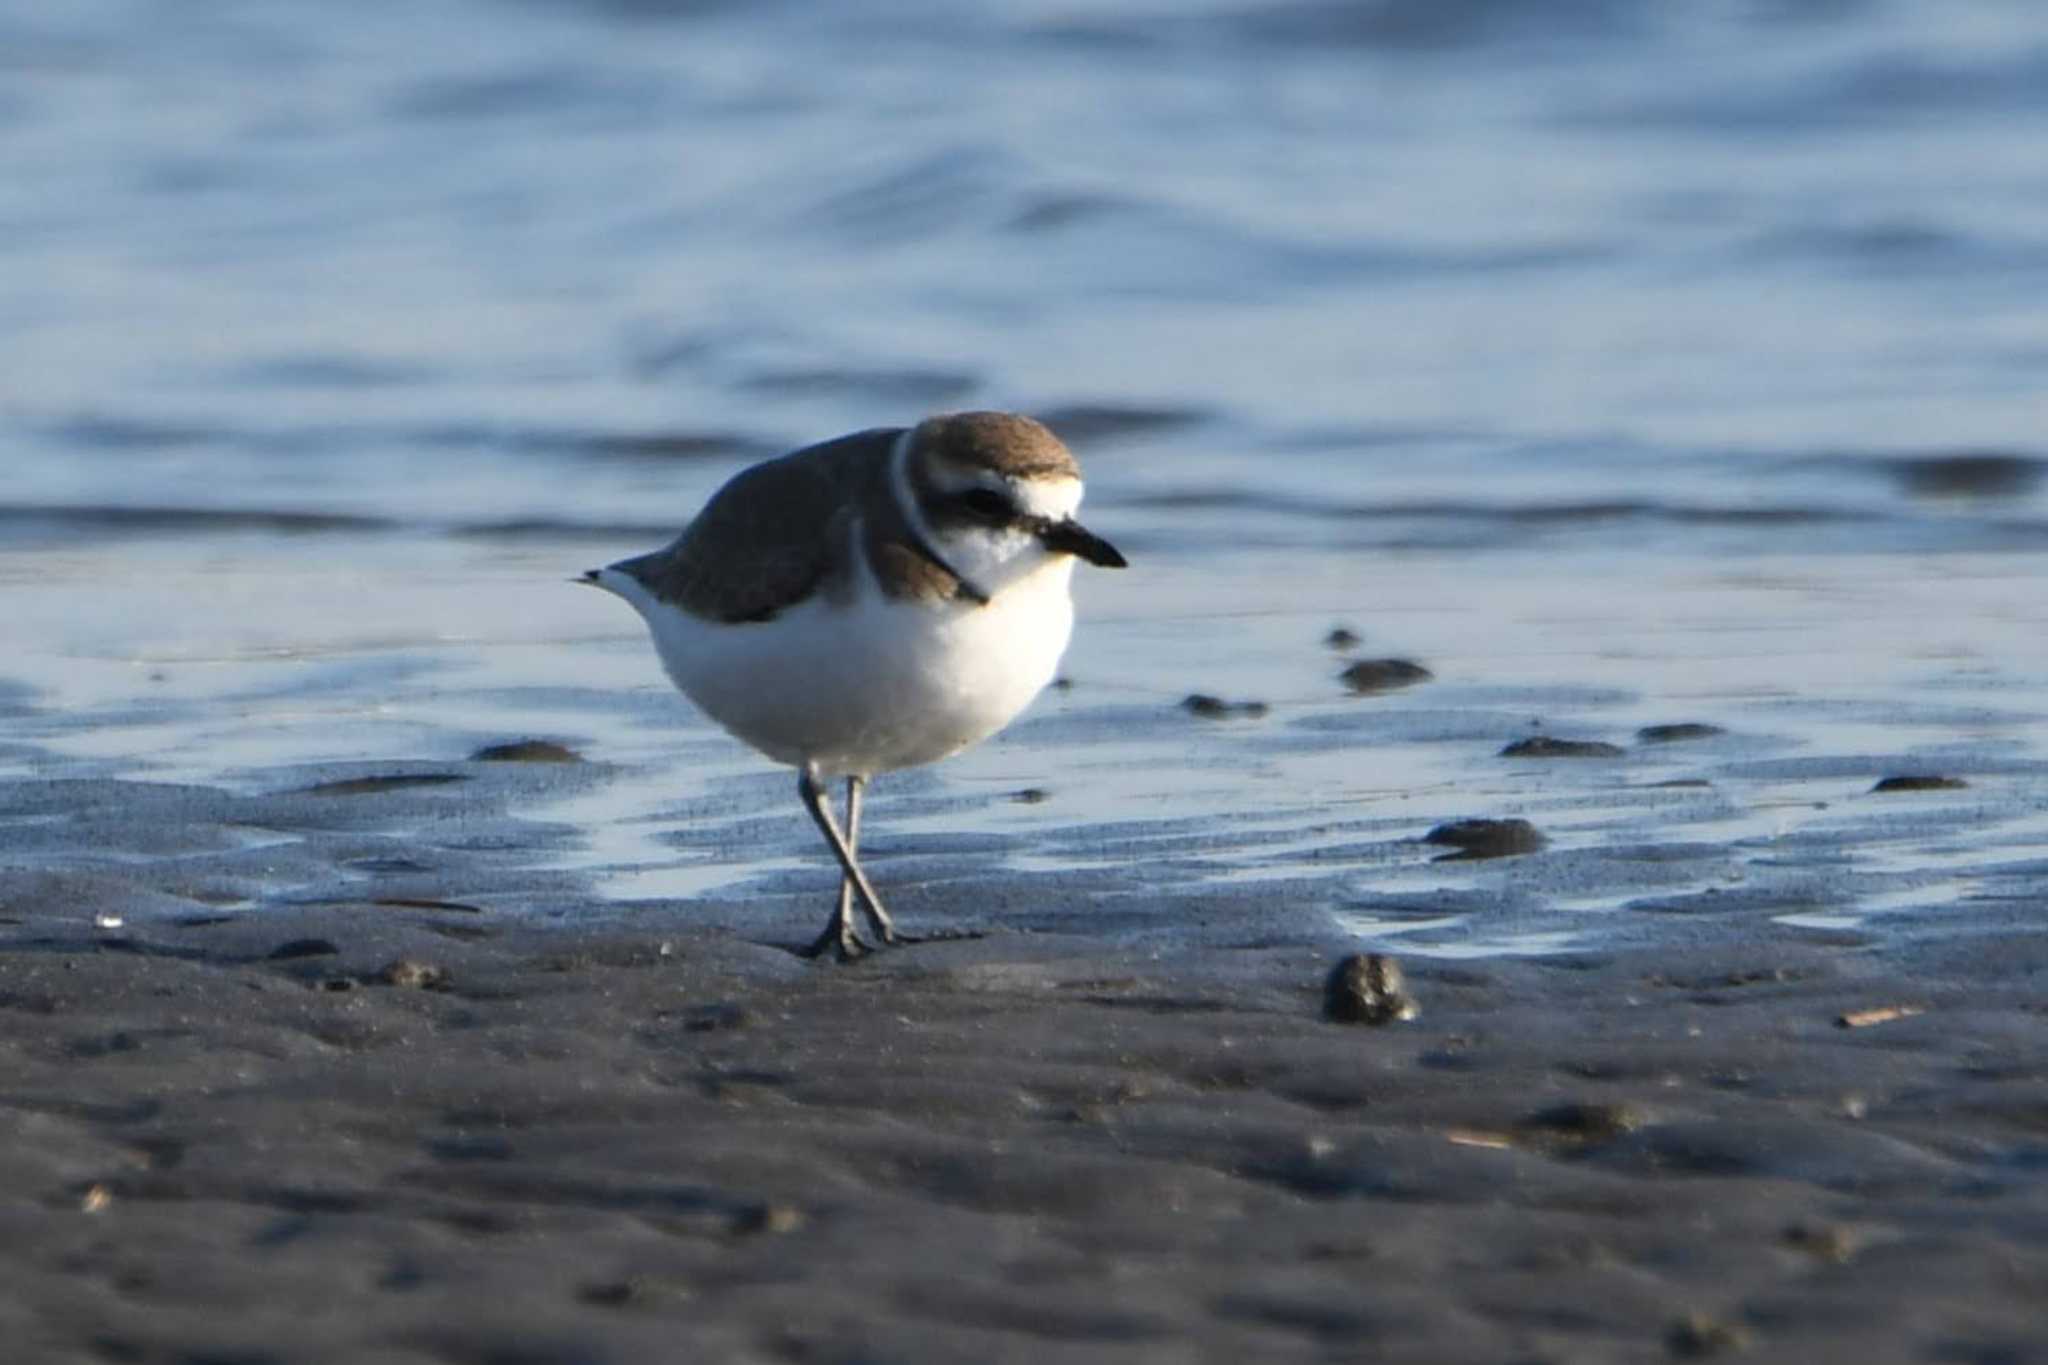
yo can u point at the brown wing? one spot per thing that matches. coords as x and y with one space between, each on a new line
773 534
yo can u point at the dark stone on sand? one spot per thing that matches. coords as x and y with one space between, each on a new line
1545 746
1968 474
1918 782
412 974
1696 1336
771 1219
1476 839
387 865
1340 638
1369 676
426 903
303 947
111 1044
610 1294
1215 708
717 1018
1673 734
1576 1124
527 751
1822 1241
368 786
1368 988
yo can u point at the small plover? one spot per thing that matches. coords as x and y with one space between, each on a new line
872 603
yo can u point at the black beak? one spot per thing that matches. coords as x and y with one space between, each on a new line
1072 538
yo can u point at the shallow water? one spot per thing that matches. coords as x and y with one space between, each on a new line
1624 368
1109 803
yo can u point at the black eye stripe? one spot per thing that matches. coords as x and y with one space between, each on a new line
986 502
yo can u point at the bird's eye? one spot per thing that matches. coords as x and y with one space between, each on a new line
988 504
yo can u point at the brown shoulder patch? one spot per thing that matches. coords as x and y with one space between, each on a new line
904 573
773 535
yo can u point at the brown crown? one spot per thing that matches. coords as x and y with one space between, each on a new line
1001 441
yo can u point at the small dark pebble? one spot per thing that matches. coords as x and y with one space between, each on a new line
387 865
527 751
1918 782
1696 1335
412 974
338 983
717 1018
768 1218
609 1294
1476 839
426 903
1341 638
1543 746
369 786
1368 988
1368 676
303 947
1673 734
1030 796
1823 1243
1215 708
1725 980
1578 1124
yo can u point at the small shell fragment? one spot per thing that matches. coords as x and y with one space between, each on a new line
1880 1014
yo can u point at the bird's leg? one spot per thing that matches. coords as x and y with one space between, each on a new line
854 787
839 933
840 937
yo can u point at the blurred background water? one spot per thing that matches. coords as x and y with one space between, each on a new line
1387 271
1531 327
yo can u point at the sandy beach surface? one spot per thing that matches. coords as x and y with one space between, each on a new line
444 1057
400 1133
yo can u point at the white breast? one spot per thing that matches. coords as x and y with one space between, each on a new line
873 684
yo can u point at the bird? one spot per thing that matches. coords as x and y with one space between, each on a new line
874 602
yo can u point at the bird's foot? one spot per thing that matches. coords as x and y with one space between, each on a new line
839 940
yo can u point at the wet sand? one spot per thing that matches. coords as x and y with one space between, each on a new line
331 1035
251 1140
